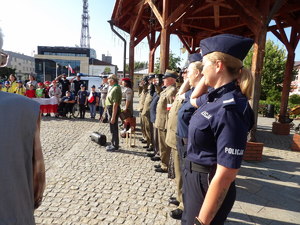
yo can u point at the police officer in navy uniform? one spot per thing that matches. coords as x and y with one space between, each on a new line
158 82
217 130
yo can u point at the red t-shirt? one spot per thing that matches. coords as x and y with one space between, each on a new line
30 93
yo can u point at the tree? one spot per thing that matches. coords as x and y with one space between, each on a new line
5 72
272 72
137 66
107 70
174 63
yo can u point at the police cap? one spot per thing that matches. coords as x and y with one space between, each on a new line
195 57
230 44
151 76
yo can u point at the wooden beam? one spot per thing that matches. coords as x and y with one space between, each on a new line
156 12
283 36
199 27
131 57
276 6
165 38
232 27
211 17
140 37
293 22
178 12
217 16
250 10
184 42
248 19
138 18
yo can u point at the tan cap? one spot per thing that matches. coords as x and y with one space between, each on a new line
113 77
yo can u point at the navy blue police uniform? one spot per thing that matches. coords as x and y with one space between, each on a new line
217 134
184 115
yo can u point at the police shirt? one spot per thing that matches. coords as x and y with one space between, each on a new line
218 129
184 115
82 95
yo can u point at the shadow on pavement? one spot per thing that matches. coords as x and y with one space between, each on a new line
254 219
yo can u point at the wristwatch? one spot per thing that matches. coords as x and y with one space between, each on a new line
197 221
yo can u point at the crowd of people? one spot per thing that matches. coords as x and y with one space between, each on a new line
198 129
68 95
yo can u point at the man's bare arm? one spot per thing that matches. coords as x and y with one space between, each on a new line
38 167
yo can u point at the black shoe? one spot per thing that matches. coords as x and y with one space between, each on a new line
157 166
176 214
160 170
144 141
150 155
174 201
141 139
155 158
149 149
147 146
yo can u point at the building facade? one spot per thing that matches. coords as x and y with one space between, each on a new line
53 61
295 84
98 67
23 64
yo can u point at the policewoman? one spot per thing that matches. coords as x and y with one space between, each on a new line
217 131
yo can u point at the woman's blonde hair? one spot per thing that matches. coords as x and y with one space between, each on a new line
236 69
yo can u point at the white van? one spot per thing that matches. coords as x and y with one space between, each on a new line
88 81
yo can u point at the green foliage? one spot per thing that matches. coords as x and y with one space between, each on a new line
137 66
273 71
107 70
294 99
5 72
174 63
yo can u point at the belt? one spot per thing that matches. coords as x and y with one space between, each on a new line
184 141
191 166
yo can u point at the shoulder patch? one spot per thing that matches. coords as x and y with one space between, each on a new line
229 100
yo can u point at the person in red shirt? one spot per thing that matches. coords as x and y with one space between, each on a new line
31 92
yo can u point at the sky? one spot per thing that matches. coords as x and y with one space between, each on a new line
31 23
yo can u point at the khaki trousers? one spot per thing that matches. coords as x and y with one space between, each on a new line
178 177
165 150
147 129
155 140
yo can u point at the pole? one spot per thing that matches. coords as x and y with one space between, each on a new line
44 70
123 39
56 70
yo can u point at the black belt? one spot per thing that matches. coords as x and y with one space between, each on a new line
191 166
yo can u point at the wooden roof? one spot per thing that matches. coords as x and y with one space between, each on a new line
193 20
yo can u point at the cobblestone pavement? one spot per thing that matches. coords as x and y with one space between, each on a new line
87 185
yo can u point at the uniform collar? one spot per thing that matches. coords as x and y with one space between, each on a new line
217 93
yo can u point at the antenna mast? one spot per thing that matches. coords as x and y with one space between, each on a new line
85 33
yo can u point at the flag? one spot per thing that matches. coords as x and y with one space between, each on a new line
70 68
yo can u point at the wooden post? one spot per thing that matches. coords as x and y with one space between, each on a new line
131 57
165 39
151 52
256 68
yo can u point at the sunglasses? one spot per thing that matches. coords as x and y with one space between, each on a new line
3 59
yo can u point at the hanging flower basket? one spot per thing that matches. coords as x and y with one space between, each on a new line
253 151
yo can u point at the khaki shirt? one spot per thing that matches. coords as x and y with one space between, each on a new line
146 108
166 99
172 122
142 100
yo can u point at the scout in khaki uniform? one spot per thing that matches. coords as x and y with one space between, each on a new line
195 73
144 84
145 114
162 110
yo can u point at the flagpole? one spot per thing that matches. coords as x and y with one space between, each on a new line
56 70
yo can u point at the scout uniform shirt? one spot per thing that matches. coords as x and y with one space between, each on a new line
172 122
114 95
166 99
142 100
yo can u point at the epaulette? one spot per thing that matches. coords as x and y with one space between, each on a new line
228 100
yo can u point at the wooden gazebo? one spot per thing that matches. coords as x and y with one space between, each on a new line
193 20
